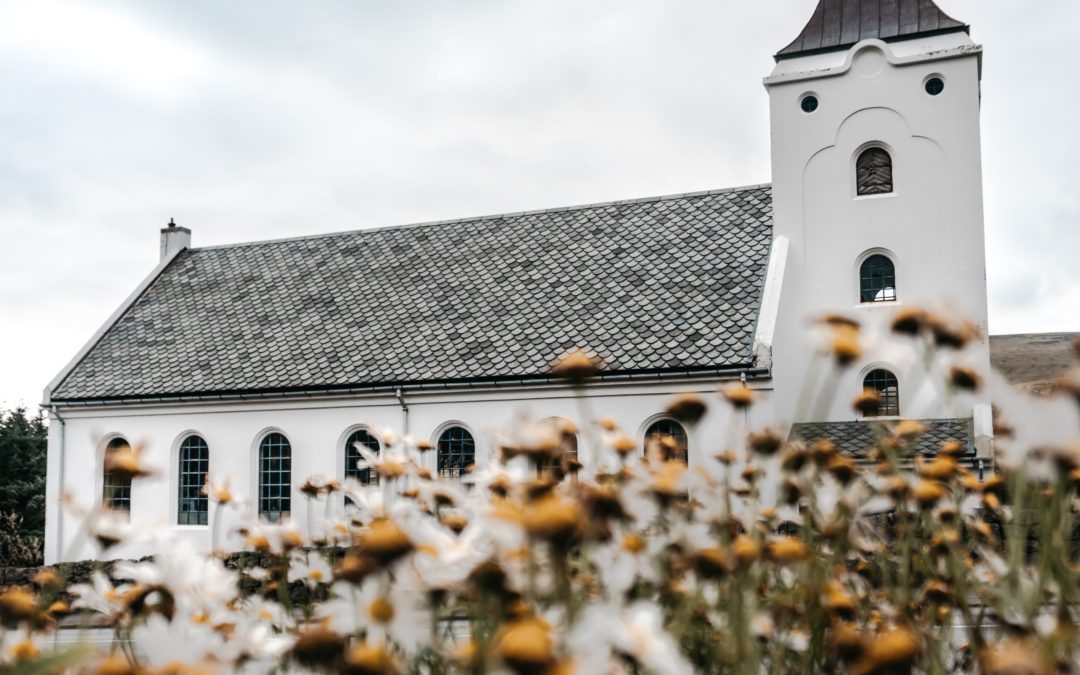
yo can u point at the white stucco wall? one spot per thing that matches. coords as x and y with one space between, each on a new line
931 225
317 430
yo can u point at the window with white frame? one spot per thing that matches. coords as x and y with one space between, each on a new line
275 477
194 463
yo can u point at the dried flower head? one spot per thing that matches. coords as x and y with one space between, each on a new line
713 562
845 347
891 651
687 408
787 550
843 468
839 321
552 519
963 377
624 445
908 429
125 462
909 321
745 549
941 468
868 403
318 647
366 658
1015 656
385 541
927 493
526 645
577 366
766 443
739 395
17 604
953 334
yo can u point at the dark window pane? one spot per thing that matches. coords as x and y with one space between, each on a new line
275 477
456 452
672 437
877 280
193 508
935 86
886 386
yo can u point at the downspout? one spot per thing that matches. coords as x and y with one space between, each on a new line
400 395
60 485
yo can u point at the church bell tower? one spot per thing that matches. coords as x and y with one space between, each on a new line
877 195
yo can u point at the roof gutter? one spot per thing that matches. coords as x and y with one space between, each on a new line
399 389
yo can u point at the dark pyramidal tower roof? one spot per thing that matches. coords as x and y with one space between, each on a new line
838 24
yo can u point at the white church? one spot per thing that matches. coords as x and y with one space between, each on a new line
266 361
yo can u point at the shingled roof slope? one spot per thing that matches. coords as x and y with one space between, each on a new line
857 437
654 284
838 24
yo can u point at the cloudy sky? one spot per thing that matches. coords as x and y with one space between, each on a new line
255 119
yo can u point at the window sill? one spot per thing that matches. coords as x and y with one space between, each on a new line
880 303
884 195
191 527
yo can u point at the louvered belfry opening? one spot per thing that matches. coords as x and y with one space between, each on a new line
838 24
874 172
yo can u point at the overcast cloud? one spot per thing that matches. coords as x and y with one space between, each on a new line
258 119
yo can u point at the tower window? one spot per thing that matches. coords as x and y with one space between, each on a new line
934 86
367 475
884 384
116 488
191 508
808 103
877 279
456 452
275 477
874 172
672 439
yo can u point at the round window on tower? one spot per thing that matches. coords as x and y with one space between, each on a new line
934 85
808 103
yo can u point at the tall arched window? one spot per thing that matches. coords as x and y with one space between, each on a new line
877 279
885 385
275 477
672 439
194 458
456 451
116 487
366 476
874 172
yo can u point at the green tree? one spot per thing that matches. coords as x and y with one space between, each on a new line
22 468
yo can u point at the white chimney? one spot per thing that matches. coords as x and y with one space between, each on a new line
174 239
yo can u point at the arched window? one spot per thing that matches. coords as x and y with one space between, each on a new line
366 476
672 439
275 477
874 172
885 385
194 458
456 452
116 487
877 279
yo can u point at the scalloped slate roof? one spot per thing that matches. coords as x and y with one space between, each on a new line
838 24
654 284
857 437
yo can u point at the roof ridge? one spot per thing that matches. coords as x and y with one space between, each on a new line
493 216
